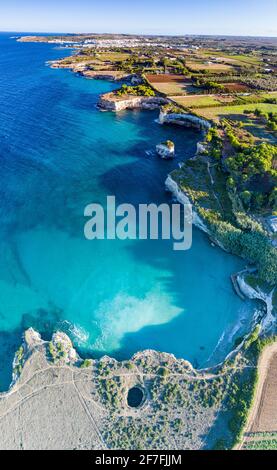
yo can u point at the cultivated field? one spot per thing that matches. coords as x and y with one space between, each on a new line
235 112
234 59
242 59
112 56
236 87
261 431
171 84
211 67
196 100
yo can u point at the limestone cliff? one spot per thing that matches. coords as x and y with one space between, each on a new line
183 119
111 102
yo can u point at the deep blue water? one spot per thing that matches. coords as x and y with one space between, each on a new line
58 153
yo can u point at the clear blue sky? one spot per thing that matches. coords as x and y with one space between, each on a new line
241 17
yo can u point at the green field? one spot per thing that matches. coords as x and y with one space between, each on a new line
213 67
272 94
265 444
234 112
174 88
195 101
245 59
236 59
112 56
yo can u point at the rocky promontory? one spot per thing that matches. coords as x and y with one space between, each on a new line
60 401
113 102
183 119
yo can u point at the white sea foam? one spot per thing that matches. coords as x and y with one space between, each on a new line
130 314
79 335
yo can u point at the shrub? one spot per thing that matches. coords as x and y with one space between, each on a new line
86 363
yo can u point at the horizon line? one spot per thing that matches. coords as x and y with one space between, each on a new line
141 34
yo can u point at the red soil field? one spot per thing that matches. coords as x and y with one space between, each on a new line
238 87
165 78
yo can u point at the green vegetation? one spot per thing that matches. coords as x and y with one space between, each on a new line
248 168
19 360
163 372
135 435
223 203
56 351
129 365
139 90
171 108
210 85
241 394
86 363
236 111
169 144
264 444
240 397
251 244
111 392
196 102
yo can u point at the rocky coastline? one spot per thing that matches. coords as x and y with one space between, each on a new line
82 69
57 392
184 119
112 102
241 287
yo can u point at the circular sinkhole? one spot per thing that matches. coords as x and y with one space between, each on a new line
135 397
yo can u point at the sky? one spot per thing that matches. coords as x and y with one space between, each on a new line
223 17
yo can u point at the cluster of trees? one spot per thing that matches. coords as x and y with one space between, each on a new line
267 83
139 90
215 141
171 108
241 235
240 397
246 239
210 85
256 201
135 64
251 160
248 162
174 66
269 118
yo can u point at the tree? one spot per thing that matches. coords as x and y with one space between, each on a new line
246 198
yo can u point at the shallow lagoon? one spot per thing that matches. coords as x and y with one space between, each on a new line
59 153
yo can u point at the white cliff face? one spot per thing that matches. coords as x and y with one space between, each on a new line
181 197
200 148
187 120
247 290
252 293
131 102
165 151
32 338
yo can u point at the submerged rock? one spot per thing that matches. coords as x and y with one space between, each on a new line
166 149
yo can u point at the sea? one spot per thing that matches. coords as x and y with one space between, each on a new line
58 153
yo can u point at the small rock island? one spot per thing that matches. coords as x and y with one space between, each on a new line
166 149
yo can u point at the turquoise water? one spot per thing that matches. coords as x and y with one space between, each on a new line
58 153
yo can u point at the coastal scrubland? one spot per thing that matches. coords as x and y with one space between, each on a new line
56 392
